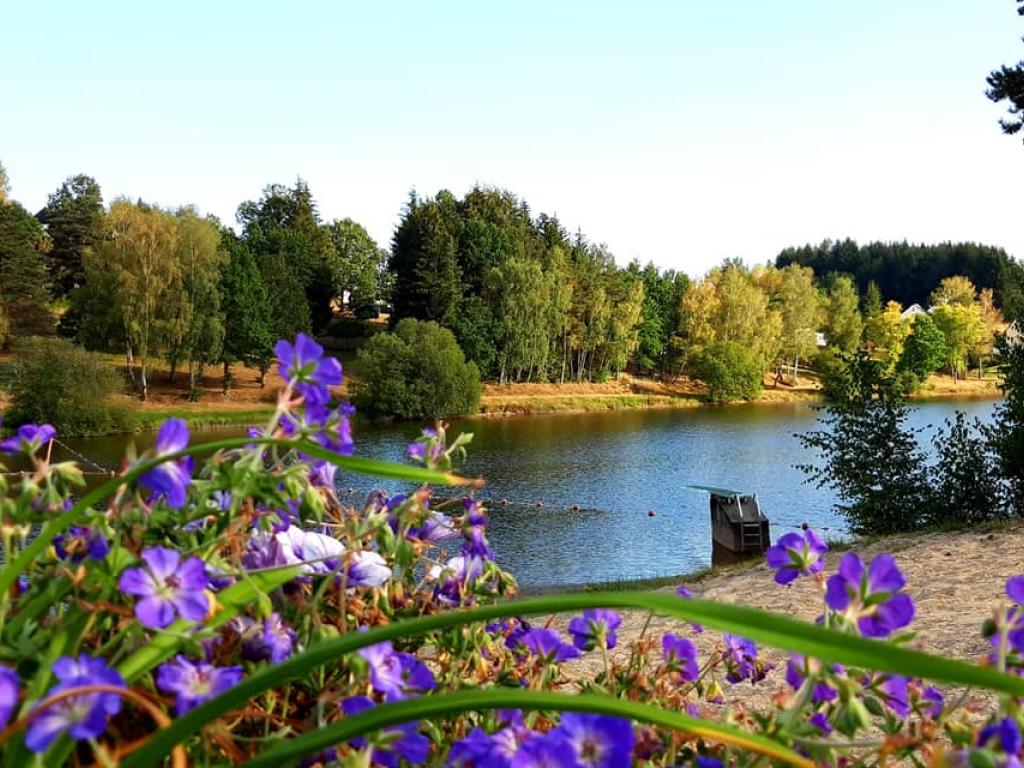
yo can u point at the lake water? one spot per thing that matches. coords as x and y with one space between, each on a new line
617 467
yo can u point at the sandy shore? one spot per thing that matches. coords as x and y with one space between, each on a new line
955 578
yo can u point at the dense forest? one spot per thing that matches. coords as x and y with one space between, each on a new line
524 299
908 272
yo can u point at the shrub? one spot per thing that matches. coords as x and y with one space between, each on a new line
965 479
730 371
416 371
56 382
866 452
925 349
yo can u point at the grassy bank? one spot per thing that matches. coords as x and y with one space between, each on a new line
248 401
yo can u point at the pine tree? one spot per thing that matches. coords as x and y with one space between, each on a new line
424 260
872 301
24 284
74 221
245 307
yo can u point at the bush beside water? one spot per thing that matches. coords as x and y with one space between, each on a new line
53 381
416 372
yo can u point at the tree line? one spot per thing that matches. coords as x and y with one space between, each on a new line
908 272
177 285
525 299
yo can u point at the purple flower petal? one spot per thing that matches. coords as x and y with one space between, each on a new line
884 575
172 437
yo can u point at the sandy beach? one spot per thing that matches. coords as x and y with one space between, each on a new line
956 580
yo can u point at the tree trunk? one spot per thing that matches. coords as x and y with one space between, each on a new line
191 381
142 380
130 361
227 376
263 376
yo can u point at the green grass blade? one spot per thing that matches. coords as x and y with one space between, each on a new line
766 628
439 705
9 572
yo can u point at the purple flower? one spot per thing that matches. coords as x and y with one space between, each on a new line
474 531
684 592
1015 589
398 743
1006 732
304 365
8 693
168 588
193 684
937 702
870 596
894 694
794 555
436 527
599 741
368 569
315 552
512 630
472 750
550 750
394 674
322 474
547 646
270 639
820 721
79 542
82 717
457 578
740 657
28 439
680 656
170 479
798 668
596 627
427 449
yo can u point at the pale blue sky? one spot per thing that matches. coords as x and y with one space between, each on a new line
679 132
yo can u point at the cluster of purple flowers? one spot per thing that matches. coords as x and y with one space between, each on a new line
315 553
267 640
311 375
578 741
396 675
392 746
459 575
79 542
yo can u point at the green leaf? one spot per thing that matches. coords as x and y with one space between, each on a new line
439 705
9 572
232 600
761 626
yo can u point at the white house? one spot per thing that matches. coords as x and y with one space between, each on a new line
912 311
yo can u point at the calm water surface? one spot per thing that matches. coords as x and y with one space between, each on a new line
616 466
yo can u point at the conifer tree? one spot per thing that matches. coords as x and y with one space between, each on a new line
24 283
246 310
74 221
